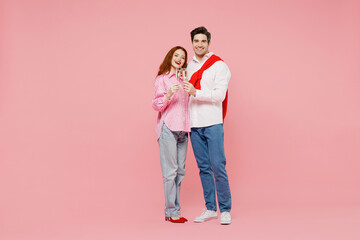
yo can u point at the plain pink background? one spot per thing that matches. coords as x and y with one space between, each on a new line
78 151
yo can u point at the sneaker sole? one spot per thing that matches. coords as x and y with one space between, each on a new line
225 223
205 220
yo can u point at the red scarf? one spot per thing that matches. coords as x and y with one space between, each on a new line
196 79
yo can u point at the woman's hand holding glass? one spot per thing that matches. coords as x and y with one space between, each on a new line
173 89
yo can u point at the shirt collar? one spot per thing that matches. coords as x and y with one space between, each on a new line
170 74
206 57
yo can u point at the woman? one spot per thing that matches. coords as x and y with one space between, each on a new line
173 125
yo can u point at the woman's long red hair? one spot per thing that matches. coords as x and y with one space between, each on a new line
166 64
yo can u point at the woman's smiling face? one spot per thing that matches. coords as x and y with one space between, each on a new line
177 60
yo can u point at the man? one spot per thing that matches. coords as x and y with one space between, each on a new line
209 77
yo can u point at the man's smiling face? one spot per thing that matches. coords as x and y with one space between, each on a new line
200 45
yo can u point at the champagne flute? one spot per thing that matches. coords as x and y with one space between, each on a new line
184 74
178 73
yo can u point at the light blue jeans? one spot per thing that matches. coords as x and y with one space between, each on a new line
173 147
208 146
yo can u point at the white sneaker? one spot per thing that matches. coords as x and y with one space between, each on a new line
225 218
206 216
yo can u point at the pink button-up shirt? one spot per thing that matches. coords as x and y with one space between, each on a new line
174 112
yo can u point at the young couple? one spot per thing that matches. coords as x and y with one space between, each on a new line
197 106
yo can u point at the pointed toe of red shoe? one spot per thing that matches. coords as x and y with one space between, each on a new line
180 220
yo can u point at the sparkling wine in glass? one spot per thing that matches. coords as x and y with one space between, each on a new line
178 73
184 74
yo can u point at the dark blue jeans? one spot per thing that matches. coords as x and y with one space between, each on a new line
208 146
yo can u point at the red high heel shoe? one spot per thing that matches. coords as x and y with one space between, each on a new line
180 220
